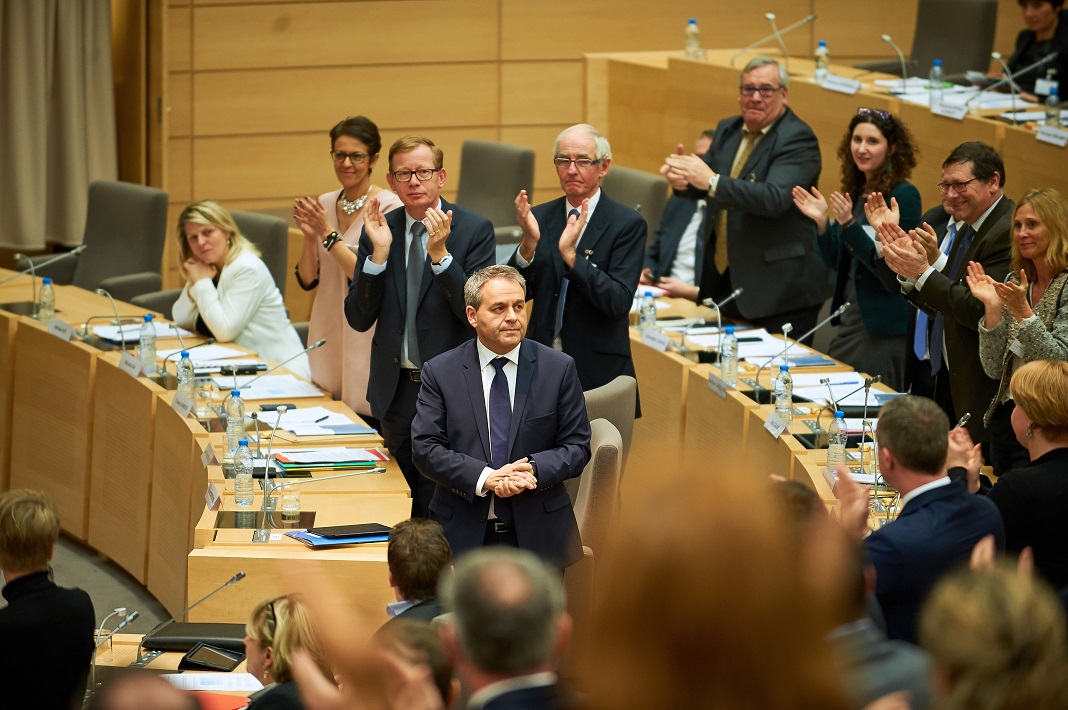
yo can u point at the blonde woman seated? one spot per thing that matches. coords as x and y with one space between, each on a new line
229 293
276 629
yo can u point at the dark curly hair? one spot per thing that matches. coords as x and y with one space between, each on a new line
901 156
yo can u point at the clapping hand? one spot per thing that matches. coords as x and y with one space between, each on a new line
904 255
311 218
842 206
876 211
813 205
376 229
570 236
438 227
531 230
982 286
684 169
1015 296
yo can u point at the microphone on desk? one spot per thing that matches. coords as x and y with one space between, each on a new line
31 269
777 34
117 320
1013 88
841 309
263 534
770 17
317 344
33 278
709 303
901 57
209 341
132 616
143 659
864 423
786 328
1010 78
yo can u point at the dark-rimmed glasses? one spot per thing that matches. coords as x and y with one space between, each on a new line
340 155
765 91
580 163
957 187
423 174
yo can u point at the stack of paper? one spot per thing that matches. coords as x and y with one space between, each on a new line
320 421
269 387
133 332
337 458
205 353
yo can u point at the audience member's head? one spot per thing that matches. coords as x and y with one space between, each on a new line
1042 212
1041 16
417 555
913 440
419 643
891 152
1040 390
207 213
274 631
582 156
29 530
707 596
140 690
997 640
762 92
973 178
508 616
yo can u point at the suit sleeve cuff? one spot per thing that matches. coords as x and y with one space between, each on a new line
923 277
438 269
486 472
713 184
940 262
520 261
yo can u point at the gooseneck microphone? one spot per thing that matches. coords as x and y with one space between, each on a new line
143 659
209 341
777 34
901 57
317 344
33 278
1011 78
709 303
31 268
117 322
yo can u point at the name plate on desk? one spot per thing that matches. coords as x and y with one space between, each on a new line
130 364
183 404
717 385
841 84
775 425
954 111
209 456
212 496
61 329
656 339
1052 135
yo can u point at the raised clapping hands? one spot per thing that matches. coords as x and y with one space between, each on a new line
903 253
311 218
376 229
983 287
1015 296
842 206
438 226
813 205
876 211
962 453
570 236
511 479
682 170
529 225
854 503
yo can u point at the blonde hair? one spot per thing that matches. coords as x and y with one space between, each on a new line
29 529
283 625
998 640
1052 211
209 212
405 144
1040 388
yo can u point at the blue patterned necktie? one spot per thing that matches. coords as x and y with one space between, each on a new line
558 323
500 421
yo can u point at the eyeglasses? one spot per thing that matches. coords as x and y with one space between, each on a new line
957 187
340 155
873 112
580 163
423 174
765 91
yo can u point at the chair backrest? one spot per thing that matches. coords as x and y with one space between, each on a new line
125 230
597 501
645 192
158 301
974 24
491 175
615 402
271 235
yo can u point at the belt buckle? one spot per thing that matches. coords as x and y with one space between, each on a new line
499 527
415 375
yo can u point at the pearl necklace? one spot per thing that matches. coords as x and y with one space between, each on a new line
351 206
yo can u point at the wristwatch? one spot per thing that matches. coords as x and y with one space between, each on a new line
533 466
331 239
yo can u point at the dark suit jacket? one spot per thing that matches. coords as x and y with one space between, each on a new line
451 446
934 533
442 319
426 610
1032 501
949 294
49 632
1025 40
660 256
601 291
544 697
770 247
283 696
876 666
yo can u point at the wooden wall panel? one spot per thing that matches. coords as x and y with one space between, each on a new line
541 92
179 169
179 39
851 35
301 100
339 34
180 104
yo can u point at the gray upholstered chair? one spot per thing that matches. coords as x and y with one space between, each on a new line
491 175
615 402
596 511
645 192
271 235
158 301
125 230
974 19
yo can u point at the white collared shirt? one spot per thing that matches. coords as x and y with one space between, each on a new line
683 267
943 480
511 371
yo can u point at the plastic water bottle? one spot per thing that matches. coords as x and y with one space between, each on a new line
692 40
823 62
1053 110
728 356
243 473
147 350
46 301
235 421
936 83
784 394
836 442
185 376
647 313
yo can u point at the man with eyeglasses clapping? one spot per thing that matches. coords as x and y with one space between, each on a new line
410 273
581 256
755 238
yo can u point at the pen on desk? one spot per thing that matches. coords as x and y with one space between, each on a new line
322 419
963 420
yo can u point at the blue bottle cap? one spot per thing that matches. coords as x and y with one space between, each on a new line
693 20
839 414
242 442
46 280
235 393
185 353
729 330
149 317
938 62
784 368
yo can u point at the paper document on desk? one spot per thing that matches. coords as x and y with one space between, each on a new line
320 421
660 305
754 341
269 387
812 379
334 454
213 681
133 331
205 353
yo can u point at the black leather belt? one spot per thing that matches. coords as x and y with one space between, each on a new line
413 375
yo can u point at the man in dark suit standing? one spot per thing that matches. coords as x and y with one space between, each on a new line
508 631
757 239
939 520
973 224
419 255
673 261
581 255
499 426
